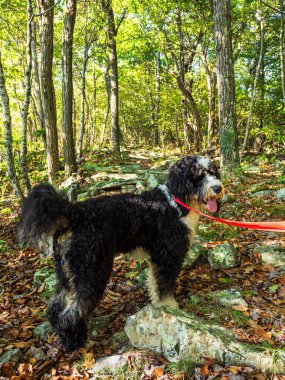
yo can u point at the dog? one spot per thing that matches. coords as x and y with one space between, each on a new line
87 235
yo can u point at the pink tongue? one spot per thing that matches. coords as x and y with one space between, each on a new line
212 205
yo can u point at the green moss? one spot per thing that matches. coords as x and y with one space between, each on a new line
207 306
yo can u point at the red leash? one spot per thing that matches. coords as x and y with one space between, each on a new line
263 226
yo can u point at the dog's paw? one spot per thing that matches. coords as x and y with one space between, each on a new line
167 301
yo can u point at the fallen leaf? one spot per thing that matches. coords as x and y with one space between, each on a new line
281 292
239 307
88 361
26 371
156 373
260 331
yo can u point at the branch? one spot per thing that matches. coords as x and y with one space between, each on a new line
47 10
269 6
121 19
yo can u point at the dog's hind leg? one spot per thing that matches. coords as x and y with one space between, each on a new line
87 278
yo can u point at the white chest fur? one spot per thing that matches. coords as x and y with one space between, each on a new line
191 221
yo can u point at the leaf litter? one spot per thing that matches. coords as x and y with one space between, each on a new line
263 287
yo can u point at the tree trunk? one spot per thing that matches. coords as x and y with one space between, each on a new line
83 88
157 98
37 85
211 84
93 130
8 134
226 86
255 81
67 88
27 98
48 94
185 92
108 92
114 79
281 48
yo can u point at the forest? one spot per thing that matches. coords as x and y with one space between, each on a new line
99 75
102 98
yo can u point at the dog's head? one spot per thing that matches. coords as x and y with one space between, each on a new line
196 180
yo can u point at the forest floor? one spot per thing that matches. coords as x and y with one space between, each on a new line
22 307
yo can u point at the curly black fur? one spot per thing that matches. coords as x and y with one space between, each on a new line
87 235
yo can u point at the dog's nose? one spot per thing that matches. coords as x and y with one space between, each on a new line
217 189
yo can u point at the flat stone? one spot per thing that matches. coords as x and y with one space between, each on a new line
176 334
11 356
110 364
228 297
101 323
280 194
272 255
193 255
82 196
152 181
223 256
261 193
43 330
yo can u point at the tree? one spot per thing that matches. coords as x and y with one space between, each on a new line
26 103
46 9
226 85
8 134
67 88
258 68
112 31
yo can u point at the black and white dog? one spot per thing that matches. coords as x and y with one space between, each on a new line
87 235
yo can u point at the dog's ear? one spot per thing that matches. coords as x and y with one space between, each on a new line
180 179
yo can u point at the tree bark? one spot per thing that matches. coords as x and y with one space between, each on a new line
211 84
157 98
281 49
108 92
83 95
114 78
67 88
247 130
226 85
37 85
185 91
27 98
48 94
94 102
8 135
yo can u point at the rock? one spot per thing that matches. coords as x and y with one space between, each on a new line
43 330
223 256
110 363
280 194
118 338
139 186
272 255
228 297
67 183
252 169
82 196
47 277
11 356
37 353
193 255
128 188
41 275
152 181
101 323
175 335
262 193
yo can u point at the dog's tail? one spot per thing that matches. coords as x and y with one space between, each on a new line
44 211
